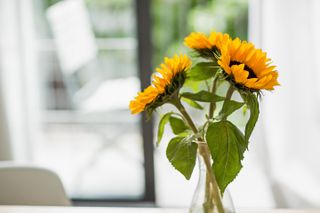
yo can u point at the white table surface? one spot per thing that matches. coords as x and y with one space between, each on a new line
41 209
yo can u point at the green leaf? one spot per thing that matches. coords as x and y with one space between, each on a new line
163 121
202 96
193 85
186 133
182 155
242 143
229 106
192 103
227 145
177 125
253 105
202 71
244 110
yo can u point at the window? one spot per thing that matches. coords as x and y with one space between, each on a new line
88 135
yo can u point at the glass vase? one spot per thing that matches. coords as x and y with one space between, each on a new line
207 196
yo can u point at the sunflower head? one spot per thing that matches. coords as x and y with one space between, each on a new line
247 67
207 46
166 82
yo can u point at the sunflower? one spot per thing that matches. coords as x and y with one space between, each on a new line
247 66
168 79
207 46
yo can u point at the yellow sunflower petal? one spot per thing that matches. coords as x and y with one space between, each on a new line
160 81
218 39
262 82
251 82
197 40
200 41
255 72
240 75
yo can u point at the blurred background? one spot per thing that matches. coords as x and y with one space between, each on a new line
70 67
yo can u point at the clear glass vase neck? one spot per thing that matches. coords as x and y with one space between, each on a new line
203 201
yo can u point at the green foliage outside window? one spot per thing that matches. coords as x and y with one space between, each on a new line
175 19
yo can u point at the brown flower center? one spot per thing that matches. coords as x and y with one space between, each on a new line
251 73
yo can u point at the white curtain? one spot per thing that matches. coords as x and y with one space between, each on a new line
289 126
18 84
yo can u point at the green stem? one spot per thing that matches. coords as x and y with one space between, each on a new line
228 98
205 153
229 92
208 195
177 103
213 103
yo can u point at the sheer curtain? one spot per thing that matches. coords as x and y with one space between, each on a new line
289 126
19 93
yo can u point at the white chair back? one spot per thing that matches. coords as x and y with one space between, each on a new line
28 185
